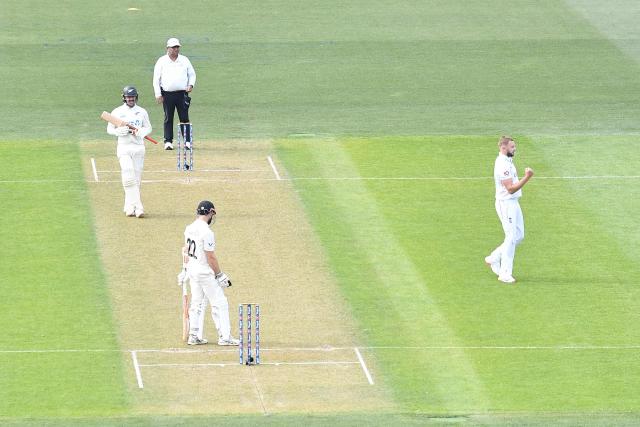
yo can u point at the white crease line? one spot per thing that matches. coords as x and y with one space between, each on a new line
199 170
331 348
137 368
222 365
364 366
63 351
453 178
95 170
37 181
278 178
273 166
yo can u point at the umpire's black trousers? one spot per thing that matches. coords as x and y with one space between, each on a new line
178 100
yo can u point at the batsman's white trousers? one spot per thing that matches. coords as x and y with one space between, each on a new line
203 288
131 158
512 221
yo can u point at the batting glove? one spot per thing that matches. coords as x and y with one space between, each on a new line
223 280
122 131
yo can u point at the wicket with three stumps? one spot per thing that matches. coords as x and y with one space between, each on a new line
185 144
249 360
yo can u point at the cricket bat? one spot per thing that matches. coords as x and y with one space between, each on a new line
185 297
185 312
118 123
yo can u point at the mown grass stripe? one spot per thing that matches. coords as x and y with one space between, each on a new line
407 303
54 292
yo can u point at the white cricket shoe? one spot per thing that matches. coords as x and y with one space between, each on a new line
139 214
194 340
495 265
507 279
229 341
168 145
130 213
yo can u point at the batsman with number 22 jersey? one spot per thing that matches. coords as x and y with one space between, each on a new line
206 278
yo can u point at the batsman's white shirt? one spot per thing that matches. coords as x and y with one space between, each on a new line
505 169
198 238
130 152
173 75
135 116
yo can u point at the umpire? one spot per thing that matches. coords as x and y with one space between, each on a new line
173 80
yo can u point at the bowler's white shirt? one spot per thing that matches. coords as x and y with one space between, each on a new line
136 116
505 169
173 75
198 238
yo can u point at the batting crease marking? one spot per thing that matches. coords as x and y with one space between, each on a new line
273 166
364 366
331 348
95 170
222 365
136 366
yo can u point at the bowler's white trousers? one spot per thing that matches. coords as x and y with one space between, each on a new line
512 221
205 287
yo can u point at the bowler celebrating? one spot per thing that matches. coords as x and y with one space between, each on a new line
508 192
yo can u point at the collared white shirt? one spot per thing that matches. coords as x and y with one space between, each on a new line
198 238
505 169
173 75
137 117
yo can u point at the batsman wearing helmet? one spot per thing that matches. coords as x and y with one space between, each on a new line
206 278
130 150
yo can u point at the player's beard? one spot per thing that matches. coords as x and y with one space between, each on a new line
510 154
212 220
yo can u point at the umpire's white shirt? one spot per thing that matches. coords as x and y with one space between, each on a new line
171 76
505 169
198 238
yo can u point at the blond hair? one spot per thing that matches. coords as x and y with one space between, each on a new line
504 140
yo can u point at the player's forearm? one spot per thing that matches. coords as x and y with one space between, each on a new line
212 260
144 131
513 188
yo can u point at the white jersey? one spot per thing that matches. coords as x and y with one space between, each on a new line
198 238
135 116
171 76
505 169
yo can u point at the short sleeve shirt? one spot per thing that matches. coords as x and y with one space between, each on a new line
198 238
505 169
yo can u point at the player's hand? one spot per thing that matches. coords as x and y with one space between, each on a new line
223 280
159 99
189 88
133 131
528 172
182 277
122 131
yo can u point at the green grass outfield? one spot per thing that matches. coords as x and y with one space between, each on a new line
407 223
54 295
407 250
